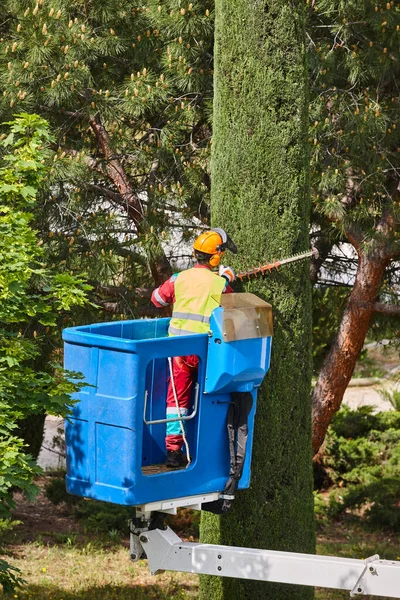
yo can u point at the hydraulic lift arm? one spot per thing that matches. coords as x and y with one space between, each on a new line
165 551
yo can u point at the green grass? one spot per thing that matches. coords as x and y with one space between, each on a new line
346 538
88 572
71 569
63 557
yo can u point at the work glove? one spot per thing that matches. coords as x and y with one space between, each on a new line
227 272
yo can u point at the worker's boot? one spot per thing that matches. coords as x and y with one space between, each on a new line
175 459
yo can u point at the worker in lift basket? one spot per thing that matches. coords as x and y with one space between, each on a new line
191 293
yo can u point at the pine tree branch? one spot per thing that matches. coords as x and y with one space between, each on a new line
391 310
324 247
119 199
333 283
153 171
61 111
120 291
90 162
114 196
116 172
142 311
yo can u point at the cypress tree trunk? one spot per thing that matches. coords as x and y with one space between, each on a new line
260 195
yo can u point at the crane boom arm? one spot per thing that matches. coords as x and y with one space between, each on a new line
167 552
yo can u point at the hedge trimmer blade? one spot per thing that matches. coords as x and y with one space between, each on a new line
262 269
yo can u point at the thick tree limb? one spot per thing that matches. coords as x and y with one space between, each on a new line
355 237
158 262
116 172
324 246
392 310
339 365
386 223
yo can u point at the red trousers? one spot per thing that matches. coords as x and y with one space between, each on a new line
184 370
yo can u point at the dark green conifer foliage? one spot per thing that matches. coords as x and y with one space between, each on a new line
259 194
354 114
125 87
355 169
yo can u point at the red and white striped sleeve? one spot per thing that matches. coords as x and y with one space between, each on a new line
164 295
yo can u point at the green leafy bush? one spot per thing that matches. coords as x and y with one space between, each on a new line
9 577
103 517
32 296
97 517
362 463
56 492
393 397
377 501
349 423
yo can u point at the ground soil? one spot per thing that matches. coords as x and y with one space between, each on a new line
42 519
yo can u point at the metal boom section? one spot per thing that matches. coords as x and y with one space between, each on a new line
167 552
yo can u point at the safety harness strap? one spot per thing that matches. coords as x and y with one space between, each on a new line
238 432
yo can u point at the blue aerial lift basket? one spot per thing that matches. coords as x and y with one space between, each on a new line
115 435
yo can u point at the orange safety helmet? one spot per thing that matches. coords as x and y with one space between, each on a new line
212 244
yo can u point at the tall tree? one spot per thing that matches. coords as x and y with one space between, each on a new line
355 71
125 88
260 195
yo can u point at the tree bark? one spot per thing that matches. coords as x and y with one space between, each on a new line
339 365
392 310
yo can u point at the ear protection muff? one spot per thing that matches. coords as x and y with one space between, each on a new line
215 259
211 245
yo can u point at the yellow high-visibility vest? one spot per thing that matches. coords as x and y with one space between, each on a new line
194 302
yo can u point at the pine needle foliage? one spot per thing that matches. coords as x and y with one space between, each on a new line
354 138
125 88
354 117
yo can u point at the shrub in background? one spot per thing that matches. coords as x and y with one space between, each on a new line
362 465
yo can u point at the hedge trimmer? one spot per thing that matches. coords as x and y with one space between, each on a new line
262 269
